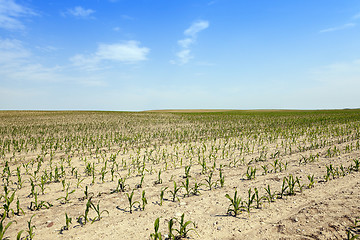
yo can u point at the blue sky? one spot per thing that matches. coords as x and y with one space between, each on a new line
161 54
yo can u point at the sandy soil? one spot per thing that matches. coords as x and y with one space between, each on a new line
322 212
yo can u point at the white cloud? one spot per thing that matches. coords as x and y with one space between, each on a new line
80 12
185 43
345 26
12 49
126 52
184 55
196 27
10 12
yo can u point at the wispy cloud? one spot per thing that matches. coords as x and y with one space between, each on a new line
125 52
80 12
17 66
357 16
184 55
333 29
196 27
10 14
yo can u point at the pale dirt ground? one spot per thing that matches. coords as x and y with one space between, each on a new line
322 212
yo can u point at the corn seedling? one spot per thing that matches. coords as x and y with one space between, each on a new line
83 219
141 182
250 173
36 205
120 186
270 196
156 235
187 172
311 181
183 228
79 181
18 208
186 186
174 192
284 187
221 177
265 168
300 186
250 201
162 195
18 174
131 202
257 198
30 230
195 190
66 198
209 181
67 223
356 167
171 224
7 202
144 200
4 227
235 204
98 212
352 231
159 181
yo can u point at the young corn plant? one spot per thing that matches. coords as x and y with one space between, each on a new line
98 212
187 172
265 168
67 223
18 174
36 205
311 181
159 180
257 198
156 235
141 182
355 167
236 204
196 189
175 192
162 195
248 204
353 231
131 202
270 195
7 202
300 186
183 227
30 230
186 186
4 227
250 173
221 177
171 224
83 219
66 198
18 208
284 187
120 185
144 200
209 181
291 184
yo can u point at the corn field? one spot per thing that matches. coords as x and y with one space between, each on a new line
172 175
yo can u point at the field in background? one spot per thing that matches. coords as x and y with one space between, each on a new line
92 175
